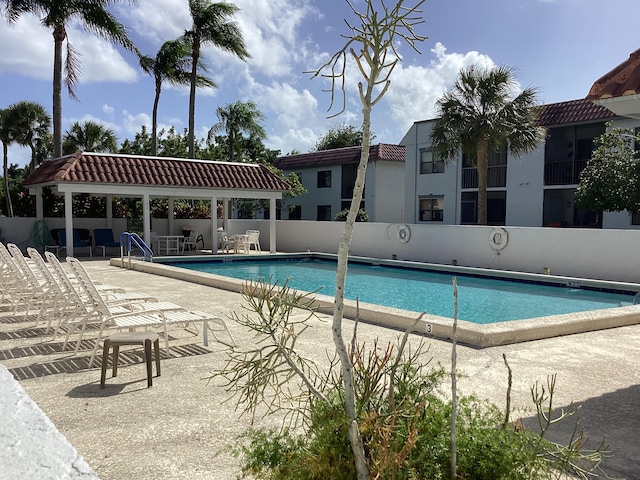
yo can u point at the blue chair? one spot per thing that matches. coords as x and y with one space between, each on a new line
77 242
103 238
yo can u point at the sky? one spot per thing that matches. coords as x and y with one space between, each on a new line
560 47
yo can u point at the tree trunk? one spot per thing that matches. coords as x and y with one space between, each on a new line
482 166
154 119
355 438
59 35
5 180
195 56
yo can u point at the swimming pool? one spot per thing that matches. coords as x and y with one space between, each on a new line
436 325
481 299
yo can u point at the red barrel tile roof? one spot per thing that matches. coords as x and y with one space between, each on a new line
105 168
622 80
574 111
339 156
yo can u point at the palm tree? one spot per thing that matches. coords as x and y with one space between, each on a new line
211 25
90 137
31 126
480 114
171 64
236 118
56 15
6 137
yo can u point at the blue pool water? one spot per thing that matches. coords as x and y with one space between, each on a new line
480 299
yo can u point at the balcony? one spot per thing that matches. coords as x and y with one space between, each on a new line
496 176
563 173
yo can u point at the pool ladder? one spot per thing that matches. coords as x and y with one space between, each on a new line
127 241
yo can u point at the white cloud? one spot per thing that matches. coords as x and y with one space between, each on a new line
108 109
157 20
133 122
100 60
415 89
31 53
18 155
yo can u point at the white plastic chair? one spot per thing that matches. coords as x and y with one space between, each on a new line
253 238
192 241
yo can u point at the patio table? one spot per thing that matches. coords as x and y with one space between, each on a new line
240 239
169 244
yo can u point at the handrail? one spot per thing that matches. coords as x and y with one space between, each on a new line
126 241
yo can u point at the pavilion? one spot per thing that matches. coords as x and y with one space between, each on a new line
135 176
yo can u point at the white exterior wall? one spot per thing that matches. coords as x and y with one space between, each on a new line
525 189
434 184
384 191
318 196
575 252
585 253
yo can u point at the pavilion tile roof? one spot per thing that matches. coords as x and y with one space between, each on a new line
339 156
573 111
105 168
623 80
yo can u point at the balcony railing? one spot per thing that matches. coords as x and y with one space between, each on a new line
563 173
496 176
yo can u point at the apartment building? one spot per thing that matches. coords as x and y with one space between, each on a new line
329 177
406 184
532 190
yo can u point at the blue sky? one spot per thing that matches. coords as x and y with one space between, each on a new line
558 46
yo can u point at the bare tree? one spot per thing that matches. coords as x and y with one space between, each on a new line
373 46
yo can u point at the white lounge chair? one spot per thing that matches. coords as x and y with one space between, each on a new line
34 290
135 315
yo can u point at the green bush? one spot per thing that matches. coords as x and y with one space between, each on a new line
411 442
361 216
403 420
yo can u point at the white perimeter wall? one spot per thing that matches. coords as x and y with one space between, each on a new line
598 254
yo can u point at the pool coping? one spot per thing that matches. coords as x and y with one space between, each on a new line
468 333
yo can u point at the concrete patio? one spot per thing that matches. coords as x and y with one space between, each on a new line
180 428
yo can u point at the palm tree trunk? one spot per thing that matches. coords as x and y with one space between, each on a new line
154 120
232 145
5 180
195 56
482 166
59 34
32 164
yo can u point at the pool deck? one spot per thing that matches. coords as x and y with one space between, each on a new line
179 428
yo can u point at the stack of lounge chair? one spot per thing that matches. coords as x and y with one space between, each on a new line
69 301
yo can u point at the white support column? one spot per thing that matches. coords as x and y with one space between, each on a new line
68 222
146 219
109 205
171 215
225 214
214 225
39 204
272 225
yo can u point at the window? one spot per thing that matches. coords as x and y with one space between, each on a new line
295 212
324 213
496 208
428 164
324 179
346 204
431 209
635 219
469 208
